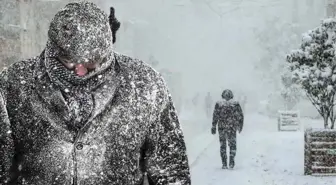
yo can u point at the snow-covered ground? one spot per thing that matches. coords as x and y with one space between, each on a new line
265 156
197 136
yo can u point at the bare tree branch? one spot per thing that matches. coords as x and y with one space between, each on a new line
314 103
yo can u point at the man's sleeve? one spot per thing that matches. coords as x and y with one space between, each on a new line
239 117
166 156
215 116
6 144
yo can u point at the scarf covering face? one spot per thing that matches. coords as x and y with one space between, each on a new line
81 33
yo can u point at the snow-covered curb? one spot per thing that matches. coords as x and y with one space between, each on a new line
197 146
197 136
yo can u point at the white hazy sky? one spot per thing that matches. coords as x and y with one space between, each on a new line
210 52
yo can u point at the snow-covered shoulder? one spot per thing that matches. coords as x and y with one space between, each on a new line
17 73
144 77
227 102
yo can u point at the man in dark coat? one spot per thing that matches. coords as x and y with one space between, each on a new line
82 114
229 117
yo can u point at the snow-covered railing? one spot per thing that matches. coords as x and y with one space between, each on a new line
289 121
320 152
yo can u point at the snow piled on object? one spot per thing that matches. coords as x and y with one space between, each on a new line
313 65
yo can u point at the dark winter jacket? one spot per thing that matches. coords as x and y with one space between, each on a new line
133 128
228 115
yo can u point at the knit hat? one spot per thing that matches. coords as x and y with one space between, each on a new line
81 33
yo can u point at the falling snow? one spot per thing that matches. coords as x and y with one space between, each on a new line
82 113
108 127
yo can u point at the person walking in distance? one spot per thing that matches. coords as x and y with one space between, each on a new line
228 117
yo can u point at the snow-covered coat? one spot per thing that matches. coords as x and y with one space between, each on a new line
228 115
134 128
109 128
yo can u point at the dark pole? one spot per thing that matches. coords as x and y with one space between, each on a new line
114 24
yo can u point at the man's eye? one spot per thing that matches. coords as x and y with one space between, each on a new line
69 65
64 59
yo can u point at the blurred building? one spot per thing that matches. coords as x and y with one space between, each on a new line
23 27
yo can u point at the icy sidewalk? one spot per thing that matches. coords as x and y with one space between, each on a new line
265 157
197 145
197 137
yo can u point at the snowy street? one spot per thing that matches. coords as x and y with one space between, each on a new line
264 157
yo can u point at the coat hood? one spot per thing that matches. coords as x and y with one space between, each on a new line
227 94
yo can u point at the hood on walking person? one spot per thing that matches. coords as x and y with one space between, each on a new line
80 37
227 94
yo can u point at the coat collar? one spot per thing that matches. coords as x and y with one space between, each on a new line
52 105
